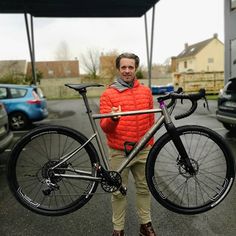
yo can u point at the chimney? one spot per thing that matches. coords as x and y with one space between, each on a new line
215 36
185 45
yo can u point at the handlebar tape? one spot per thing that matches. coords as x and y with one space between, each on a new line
178 95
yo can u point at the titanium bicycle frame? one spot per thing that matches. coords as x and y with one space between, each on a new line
164 119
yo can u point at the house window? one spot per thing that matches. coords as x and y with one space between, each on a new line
68 72
233 4
210 60
50 72
185 64
177 66
233 57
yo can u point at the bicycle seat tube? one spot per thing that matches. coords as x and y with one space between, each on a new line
95 129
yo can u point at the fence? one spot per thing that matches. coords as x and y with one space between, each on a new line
55 87
192 82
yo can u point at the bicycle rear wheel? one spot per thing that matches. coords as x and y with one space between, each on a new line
32 181
177 190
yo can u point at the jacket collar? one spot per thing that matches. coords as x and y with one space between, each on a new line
121 86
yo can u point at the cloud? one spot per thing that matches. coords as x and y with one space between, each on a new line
176 22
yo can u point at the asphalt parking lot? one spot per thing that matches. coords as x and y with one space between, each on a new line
94 219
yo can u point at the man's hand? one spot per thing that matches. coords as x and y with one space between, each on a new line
114 110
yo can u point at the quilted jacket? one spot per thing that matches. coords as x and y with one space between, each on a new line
127 128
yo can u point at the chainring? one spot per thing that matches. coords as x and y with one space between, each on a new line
113 184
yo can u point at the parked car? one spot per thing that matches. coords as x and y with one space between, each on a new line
24 104
161 89
6 135
226 112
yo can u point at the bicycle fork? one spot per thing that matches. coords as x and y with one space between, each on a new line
184 160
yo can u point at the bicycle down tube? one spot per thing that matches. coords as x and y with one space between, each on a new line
96 135
140 144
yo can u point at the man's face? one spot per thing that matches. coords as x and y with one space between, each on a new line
127 69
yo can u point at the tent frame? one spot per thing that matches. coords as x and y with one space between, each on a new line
149 50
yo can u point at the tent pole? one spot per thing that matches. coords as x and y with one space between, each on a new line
31 46
149 53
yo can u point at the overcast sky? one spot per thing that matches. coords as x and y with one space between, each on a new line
176 22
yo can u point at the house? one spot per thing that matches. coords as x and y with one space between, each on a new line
56 69
205 56
200 65
13 67
107 67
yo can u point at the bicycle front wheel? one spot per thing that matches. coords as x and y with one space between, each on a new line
176 189
32 178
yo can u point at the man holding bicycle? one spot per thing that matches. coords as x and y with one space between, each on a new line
127 94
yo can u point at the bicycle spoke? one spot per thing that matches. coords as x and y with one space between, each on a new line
42 179
179 189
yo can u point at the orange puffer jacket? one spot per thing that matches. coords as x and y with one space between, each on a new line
127 128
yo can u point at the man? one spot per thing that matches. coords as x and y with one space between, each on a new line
127 94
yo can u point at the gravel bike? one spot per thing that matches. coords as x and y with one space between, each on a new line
54 170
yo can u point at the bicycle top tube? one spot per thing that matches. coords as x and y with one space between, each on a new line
173 96
126 113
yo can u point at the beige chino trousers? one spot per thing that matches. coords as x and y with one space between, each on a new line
143 197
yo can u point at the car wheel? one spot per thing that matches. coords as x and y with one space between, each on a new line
230 127
18 121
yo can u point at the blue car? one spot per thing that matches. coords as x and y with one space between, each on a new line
162 89
24 104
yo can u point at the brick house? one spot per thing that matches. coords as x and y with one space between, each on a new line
56 69
107 68
13 67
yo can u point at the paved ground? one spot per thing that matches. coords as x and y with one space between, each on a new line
95 218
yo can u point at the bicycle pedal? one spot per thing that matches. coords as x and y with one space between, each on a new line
123 190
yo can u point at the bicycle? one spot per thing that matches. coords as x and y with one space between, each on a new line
55 170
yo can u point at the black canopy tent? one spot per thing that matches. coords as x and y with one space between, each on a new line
81 8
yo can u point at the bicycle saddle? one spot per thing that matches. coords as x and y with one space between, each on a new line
81 87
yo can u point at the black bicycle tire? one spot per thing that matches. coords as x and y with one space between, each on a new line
153 182
12 165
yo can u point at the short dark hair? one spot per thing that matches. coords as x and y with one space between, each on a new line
127 55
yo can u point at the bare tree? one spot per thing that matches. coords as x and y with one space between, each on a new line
90 63
63 54
63 51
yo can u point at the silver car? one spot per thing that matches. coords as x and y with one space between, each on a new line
6 135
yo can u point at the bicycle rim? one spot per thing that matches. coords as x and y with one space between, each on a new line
29 170
174 187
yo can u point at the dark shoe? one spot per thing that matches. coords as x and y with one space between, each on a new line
147 230
118 233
